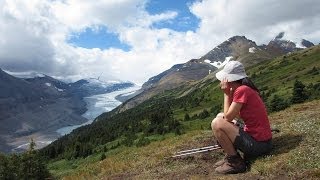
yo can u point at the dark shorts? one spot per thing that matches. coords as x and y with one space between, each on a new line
250 147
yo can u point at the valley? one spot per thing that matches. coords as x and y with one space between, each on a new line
98 104
38 107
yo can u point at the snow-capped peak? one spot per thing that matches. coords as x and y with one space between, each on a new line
27 74
291 43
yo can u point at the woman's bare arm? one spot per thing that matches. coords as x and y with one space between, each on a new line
233 111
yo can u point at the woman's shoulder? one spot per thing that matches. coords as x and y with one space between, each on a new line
245 89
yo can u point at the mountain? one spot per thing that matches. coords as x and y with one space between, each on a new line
279 45
17 89
93 86
34 107
306 43
178 75
50 86
235 48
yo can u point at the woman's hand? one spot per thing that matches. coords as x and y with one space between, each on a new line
225 86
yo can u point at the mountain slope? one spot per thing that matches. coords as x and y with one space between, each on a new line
11 87
49 85
236 48
34 107
191 114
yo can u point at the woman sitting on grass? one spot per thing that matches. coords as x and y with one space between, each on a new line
241 99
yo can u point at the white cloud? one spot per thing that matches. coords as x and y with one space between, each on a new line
34 34
258 20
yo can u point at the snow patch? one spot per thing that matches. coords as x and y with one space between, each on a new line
129 93
27 74
218 64
299 45
101 83
112 82
48 84
252 50
60 90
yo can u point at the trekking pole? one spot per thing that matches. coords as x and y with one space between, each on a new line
196 150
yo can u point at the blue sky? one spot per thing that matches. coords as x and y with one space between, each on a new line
103 38
185 21
97 38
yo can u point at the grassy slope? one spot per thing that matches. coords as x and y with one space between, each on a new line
284 70
145 162
296 154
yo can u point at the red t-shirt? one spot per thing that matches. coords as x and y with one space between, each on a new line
253 112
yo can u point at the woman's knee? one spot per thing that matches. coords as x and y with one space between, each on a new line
216 123
213 122
220 115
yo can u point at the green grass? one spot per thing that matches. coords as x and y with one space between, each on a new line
296 154
282 72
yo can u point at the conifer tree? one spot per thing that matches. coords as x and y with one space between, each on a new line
103 156
299 93
186 117
277 103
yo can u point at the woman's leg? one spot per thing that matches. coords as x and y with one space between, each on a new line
225 132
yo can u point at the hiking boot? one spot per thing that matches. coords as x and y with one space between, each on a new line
221 162
233 164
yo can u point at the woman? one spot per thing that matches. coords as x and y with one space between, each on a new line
241 99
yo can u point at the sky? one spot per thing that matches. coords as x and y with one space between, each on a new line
133 40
